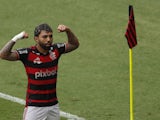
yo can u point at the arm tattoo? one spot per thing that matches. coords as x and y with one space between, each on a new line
71 37
73 42
5 52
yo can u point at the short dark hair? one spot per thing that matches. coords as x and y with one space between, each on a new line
41 27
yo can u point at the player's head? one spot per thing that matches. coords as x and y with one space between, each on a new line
39 28
43 36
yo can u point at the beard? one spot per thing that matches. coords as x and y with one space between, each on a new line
44 46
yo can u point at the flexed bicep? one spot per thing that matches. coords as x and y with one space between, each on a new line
7 54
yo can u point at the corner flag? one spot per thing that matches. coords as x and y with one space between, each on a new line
132 42
131 29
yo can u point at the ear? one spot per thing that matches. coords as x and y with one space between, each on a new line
36 38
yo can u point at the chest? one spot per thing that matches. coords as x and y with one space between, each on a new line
37 58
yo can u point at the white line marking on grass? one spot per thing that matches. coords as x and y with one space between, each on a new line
22 102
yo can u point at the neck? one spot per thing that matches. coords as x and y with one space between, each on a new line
41 50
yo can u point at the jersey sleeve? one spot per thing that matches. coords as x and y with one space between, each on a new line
61 47
22 53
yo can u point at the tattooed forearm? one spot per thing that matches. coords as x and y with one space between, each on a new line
72 39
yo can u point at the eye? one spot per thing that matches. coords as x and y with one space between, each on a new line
46 36
50 36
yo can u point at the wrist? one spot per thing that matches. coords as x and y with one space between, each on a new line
18 37
14 39
68 29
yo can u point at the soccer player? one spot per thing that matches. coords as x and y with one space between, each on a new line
41 65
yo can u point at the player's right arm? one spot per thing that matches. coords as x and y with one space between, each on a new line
7 53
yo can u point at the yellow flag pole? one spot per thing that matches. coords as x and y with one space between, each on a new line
131 83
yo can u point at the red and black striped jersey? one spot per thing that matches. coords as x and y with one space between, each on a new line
41 71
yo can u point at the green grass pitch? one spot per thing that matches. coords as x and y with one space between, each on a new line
93 81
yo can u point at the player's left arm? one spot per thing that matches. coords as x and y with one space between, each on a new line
72 42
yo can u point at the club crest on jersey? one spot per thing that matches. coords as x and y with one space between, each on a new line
52 55
37 61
